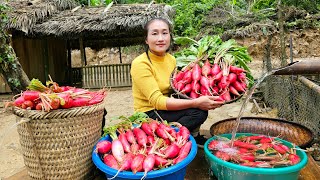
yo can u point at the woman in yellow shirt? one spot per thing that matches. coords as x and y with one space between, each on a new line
151 87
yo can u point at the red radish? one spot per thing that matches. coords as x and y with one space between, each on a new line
137 163
249 138
205 83
216 145
80 101
184 133
19 101
103 146
28 104
153 125
134 148
125 164
187 78
215 69
266 140
147 129
39 106
238 86
186 89
148 164
196 86
110 161
226 96
224 82
218 76
184 152
247 157
278 148
130 136
172 151
160 161
242 76
179 76
243 150
55 103
232 77
125 144
96 99
161 133
286 148
204 91
30 95
206 69
236 69
180 86
244 85
294 159
233 90
65 88
211 82
222 155
141 137
67 100
244 145
265 146
193 95
215 90
117 150
196 72
150 140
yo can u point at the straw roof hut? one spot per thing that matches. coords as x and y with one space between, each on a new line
45 31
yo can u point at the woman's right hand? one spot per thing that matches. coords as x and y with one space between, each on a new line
207 102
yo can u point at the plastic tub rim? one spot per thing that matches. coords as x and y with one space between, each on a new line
256 170
151 174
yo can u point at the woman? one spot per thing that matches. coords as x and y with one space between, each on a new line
151 87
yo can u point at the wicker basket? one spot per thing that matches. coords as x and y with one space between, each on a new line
287 130
58 144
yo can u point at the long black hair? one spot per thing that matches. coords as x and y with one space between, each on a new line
146 29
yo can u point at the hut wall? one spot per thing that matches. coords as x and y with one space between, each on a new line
41 57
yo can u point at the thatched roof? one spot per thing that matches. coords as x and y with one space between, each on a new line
121 25
26 13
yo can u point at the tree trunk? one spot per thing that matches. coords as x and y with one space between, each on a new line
11 68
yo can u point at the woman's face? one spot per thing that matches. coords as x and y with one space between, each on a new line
158 38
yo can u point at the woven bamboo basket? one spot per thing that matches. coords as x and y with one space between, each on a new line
287 130
58 144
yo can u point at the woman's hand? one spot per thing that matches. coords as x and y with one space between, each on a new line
207 102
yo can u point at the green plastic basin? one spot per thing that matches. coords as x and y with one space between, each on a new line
224 170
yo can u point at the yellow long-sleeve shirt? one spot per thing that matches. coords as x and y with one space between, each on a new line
151 81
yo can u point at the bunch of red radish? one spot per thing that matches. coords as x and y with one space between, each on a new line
150 146
67 97
227 82
255 151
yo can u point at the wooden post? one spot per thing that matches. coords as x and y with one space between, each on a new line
120 54
69 65
45 58
83 53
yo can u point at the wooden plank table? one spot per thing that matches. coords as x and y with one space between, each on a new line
196 170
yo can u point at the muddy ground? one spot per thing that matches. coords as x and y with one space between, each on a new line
119 101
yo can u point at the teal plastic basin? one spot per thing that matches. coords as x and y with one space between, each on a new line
224 170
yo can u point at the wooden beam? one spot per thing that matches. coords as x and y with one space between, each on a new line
310 84
83 53
69 64
120 54
45 58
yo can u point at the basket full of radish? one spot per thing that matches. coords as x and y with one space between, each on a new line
211 67
144 149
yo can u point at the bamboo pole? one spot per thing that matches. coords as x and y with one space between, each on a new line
313 86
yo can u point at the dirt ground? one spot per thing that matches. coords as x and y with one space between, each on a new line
119 101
